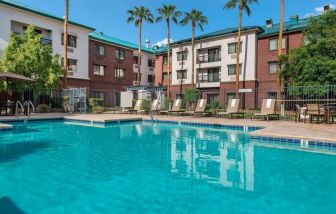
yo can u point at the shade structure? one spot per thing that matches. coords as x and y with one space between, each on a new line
11 77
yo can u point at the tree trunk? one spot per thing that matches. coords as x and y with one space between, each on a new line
65 45
238 47
168 58
193 57
282 6
139 54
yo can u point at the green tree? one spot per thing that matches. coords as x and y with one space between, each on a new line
197 19
28 56
138 15
314 63
168 13
192 95
243 6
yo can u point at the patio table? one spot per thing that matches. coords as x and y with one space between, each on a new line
7 108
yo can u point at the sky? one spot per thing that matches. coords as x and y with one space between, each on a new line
109 16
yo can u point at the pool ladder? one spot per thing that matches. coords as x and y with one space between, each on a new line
17 105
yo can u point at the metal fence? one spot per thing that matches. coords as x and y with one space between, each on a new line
251 99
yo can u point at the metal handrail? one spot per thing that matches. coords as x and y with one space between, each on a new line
33 108
17 106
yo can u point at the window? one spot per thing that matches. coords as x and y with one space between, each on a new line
135 77
98 94
119 73
151 78
272 67
214 75
120 54
72 64
232 47
99 50
273 44
165 77
151 63
99 70
181 56
212 97
135 59
232 69
181 74
214 55
72 40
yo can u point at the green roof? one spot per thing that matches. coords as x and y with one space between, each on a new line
290 26
118 42
38 12
222 32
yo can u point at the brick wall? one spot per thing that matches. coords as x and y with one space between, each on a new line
109 81
265 79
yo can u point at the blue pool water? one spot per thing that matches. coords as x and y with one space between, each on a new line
140 167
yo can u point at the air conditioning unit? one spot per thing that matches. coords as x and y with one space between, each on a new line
70 50
70 74
181 63
232 78
136 66
151 69
233 56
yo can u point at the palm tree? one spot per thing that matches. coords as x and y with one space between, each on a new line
138 15
65 44
197 19
243 5
282 9
168 13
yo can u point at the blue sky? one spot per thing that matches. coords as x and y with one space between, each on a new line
109 16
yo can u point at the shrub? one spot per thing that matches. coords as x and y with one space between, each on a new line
96 102
97 109
167 101
145 105
214 104
43 108
192 95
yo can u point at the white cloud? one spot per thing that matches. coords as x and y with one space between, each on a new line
163 42
319 10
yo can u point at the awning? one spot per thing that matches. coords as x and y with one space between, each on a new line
11 77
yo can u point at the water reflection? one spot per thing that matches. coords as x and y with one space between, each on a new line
216 158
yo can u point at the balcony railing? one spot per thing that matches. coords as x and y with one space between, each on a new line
208 78
205 58
44 41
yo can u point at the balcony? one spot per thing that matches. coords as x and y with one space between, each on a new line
44 41
206 58
208 78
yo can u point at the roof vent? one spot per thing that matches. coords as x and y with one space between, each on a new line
294 19
326 8
269 23
147 43
101 33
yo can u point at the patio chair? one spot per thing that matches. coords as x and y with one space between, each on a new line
155 106
200 108
314 111
232 109
137 107
267 110
300 113
177 107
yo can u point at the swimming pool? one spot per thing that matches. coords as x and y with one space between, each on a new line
142 167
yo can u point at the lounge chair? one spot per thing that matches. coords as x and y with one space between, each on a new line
177 107
267 110
313 111
137 107
232 109
200 108
155 105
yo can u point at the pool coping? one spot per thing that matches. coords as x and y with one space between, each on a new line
247 128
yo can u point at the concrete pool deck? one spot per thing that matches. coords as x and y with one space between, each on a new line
277 129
